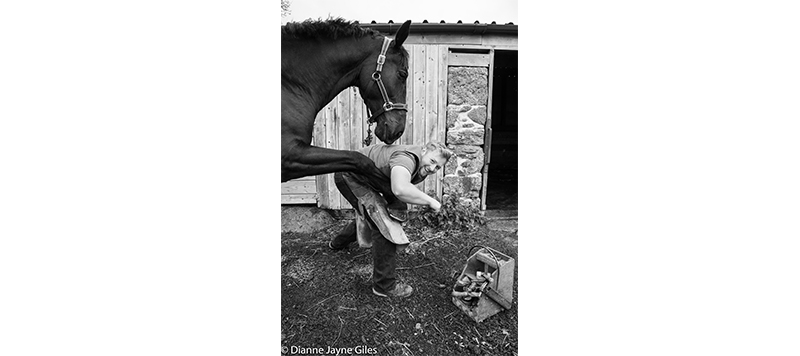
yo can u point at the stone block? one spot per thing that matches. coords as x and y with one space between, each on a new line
472 194
472 203
469 166
467 160
465 116
455 113
461 186
478 114
451 165
468 151
465 136
468 85
452 117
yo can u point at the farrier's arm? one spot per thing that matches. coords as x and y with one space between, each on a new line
407 192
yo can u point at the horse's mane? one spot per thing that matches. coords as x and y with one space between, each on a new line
331 28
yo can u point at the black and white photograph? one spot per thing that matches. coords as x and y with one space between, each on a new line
399 199
515 178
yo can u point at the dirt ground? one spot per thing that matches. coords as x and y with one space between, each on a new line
327 302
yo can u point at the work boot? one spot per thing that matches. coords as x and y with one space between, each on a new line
344 238
401 290
336 248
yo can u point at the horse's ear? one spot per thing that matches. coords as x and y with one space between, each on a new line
402 34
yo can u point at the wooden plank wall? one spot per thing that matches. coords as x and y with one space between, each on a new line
342 124
299 191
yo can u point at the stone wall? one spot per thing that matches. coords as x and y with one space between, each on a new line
467 98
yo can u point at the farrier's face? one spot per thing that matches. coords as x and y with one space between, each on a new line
431 163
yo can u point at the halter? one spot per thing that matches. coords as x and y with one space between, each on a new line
387 104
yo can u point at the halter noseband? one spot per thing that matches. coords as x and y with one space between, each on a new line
387 104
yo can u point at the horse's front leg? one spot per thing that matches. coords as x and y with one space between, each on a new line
306 160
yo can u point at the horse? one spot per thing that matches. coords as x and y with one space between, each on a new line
319 59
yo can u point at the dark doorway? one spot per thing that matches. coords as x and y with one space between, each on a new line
501 186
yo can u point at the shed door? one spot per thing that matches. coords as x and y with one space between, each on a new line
478 57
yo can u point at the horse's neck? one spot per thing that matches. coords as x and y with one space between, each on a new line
323 71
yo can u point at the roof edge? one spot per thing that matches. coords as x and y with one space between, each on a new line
424 27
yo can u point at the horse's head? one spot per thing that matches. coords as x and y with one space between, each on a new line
387 105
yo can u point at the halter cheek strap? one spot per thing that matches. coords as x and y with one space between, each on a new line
376 77
382 57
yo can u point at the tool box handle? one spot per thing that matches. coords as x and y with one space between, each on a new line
497 263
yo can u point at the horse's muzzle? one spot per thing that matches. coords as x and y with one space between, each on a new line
389 133
391 139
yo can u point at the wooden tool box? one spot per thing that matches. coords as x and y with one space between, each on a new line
496 295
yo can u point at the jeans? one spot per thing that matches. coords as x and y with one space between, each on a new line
384 252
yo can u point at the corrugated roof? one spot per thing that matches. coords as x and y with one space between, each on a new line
446 27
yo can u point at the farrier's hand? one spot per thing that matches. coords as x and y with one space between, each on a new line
435 205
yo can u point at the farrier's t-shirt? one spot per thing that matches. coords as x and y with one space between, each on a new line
387 157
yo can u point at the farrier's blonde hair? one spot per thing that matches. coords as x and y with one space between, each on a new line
438 146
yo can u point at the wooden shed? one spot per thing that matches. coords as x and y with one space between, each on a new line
462 90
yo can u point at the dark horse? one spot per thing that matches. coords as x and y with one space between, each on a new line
319 59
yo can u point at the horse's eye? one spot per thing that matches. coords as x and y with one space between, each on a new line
403 74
